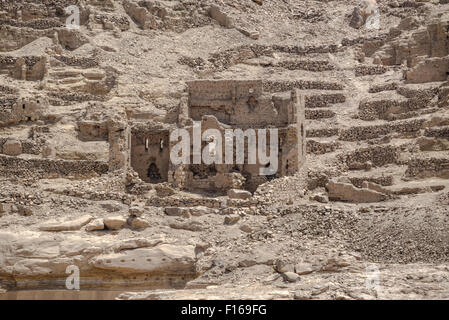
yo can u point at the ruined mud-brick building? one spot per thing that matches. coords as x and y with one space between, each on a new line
221 105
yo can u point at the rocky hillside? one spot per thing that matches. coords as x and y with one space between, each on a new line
371 200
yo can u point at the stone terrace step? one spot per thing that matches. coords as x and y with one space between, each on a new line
314 114
437 132
384 176
415 187
373 156
288 85
323 100
65 73
403 128
322 132
388 108
434 164
321 147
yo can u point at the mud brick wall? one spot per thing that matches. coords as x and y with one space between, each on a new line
383 87
316 66
318 148
381 109
184 202
433 167
12 166
78 61
319 114
378 155
311 133
383 180
94 195
323 100
372 132
237 203
28 146
438 132
369 70
281 86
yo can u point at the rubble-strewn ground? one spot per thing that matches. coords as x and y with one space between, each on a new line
365 218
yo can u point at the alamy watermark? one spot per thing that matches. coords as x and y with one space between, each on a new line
213 153
372 277
72 282
73 20
373 19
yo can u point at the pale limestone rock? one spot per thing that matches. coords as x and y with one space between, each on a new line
347 192
136 211
375 187
114 223
138 223
239 194
94 225
282 266
304 268
335 264
164 258
199 211
54 225
138 243
302 295
190 225
290 276
75 246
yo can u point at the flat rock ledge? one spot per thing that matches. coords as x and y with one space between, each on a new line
34 260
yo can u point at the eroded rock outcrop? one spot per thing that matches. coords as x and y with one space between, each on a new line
33 259
164 258
339 191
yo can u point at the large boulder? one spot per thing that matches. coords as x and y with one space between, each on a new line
39 260
339 191
239 194
138 223
95 225
67 225
114 223
176 211
164 258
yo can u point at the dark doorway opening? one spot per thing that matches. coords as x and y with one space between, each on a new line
153 173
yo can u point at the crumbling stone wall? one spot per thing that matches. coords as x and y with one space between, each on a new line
425 53
29 68
378 156
402 128
45 167
150 153
241 104
119 144
25 108
424 168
